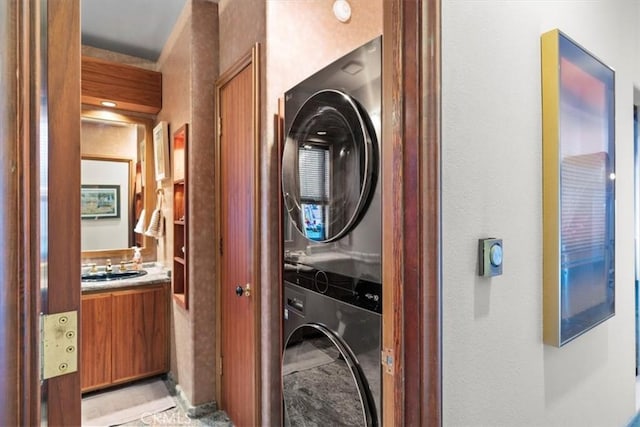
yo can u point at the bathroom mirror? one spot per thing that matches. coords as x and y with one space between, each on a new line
116 183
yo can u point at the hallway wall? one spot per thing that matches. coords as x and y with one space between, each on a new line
189 68
497 371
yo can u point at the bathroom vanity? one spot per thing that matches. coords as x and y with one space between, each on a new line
125 330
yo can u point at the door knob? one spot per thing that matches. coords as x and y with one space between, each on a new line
246 291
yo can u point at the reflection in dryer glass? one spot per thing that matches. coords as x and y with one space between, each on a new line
319 385
327 166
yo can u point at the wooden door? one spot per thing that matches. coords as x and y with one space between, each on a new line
40 103
239 248
139 319
96 341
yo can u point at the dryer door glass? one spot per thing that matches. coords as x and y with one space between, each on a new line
328 166
322 383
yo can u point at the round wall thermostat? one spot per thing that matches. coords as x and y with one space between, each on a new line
490 257
342 10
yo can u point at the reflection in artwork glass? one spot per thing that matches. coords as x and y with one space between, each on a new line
586 191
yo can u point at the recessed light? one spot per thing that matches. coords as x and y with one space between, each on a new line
108 104
342 10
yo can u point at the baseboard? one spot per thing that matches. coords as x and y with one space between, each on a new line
192 411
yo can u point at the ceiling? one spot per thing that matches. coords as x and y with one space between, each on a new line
133 27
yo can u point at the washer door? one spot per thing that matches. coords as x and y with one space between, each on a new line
322 383
329 166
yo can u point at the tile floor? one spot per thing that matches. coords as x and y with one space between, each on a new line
177 417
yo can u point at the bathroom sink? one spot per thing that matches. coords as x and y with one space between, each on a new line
103 276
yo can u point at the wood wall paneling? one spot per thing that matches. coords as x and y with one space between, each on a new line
132 88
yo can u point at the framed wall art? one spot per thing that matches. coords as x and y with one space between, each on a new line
578 120
100 201
161 150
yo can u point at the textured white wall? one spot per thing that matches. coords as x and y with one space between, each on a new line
497 371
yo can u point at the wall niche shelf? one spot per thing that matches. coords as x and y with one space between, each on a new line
180 218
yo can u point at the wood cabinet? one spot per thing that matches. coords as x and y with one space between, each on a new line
96 341
180 217
131 88
125 336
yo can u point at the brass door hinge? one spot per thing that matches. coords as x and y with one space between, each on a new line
387 360
58 344
220 366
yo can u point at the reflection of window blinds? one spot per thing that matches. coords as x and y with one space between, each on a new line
584 187
314 173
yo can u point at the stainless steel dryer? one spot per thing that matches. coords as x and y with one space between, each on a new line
330 166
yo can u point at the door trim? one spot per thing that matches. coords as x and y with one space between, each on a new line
14 258
250 59
412 393
63 93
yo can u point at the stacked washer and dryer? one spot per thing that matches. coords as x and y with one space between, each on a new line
333 244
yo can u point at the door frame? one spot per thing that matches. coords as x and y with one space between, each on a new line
250 59
412 31
411 213
15 252
46 54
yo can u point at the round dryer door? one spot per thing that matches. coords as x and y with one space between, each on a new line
322 383
329 166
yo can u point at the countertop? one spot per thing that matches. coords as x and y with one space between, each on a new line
155 275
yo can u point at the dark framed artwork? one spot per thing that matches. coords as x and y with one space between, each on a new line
578 120
99 201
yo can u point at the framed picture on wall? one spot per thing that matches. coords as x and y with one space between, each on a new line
99 201
161 150
578 151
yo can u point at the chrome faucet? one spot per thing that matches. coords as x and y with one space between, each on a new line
108 268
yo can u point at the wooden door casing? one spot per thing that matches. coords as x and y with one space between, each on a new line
412 392
63 268
238 192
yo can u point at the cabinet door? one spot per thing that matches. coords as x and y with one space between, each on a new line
139 335
96 341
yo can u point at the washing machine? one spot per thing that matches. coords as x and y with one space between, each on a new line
331 372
